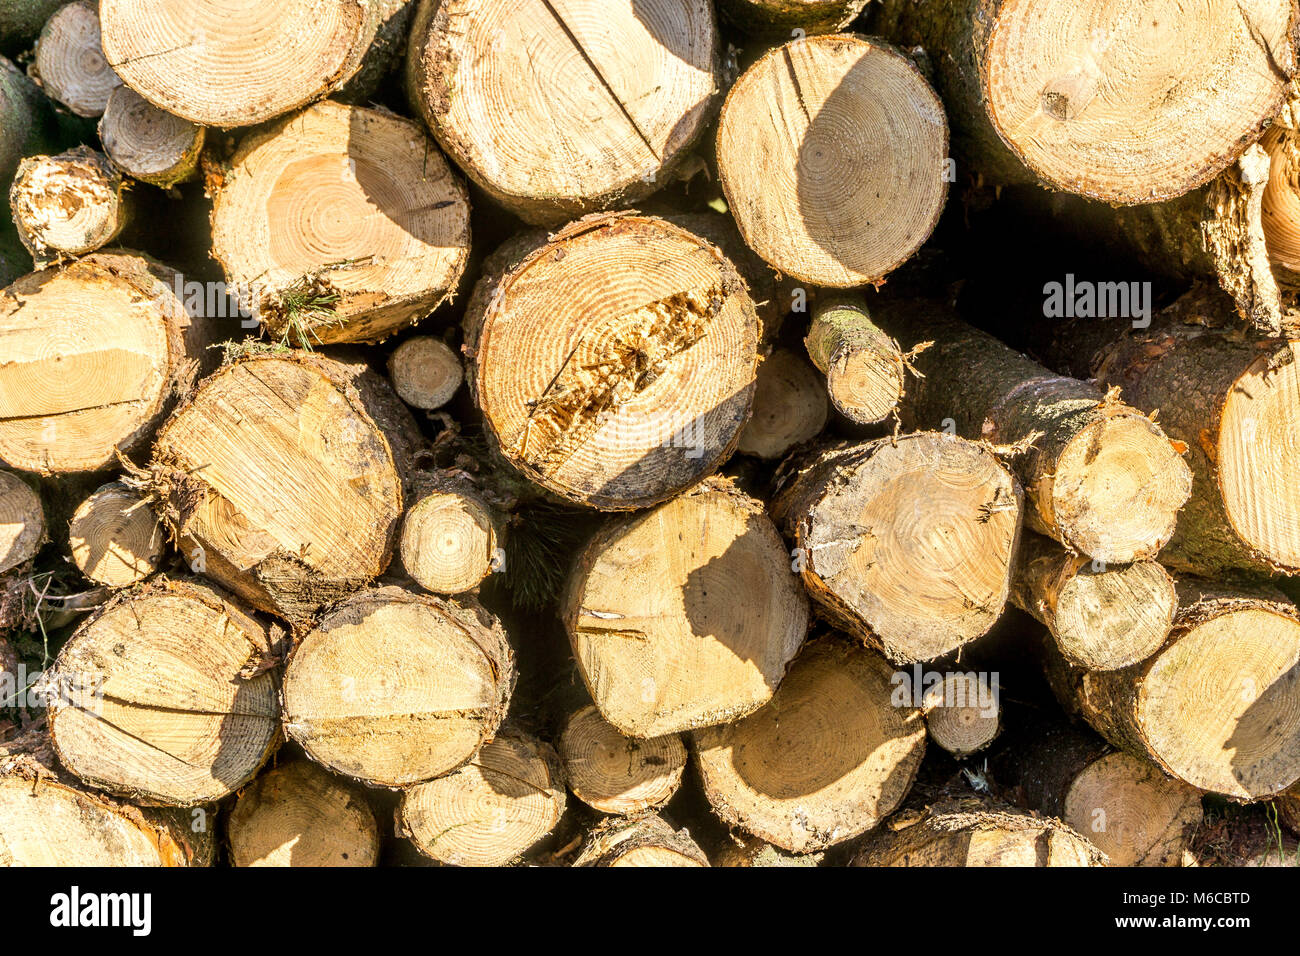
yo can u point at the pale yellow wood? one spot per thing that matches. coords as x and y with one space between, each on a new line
70 62
614 773
115 538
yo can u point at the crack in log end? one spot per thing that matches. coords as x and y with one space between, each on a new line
611 365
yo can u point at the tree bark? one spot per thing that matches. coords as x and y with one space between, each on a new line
394 688
686 615
975 832
831 153
906 543
626 90
614 364
827 760
1100 476
864 367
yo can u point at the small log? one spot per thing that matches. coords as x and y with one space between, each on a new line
115 538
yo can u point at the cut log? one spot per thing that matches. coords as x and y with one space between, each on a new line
827 760
906 544
1100 477
340 224
452 535
1134 113
831 152
1280 203
624 89
1218 706
147 143
864 367
1101 617
686 615
70 64
425 372
962 713
115 538
973 832
299 815
21 22
1125 806
784 19
47 818
162 696
1235 404
387 50
220 65
299 504
96 353
790 406
22 521
68 205
490 811
639 841
614 364
394 688
613 773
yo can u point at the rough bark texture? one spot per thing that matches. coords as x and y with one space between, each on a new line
1099 477
865 368
975 832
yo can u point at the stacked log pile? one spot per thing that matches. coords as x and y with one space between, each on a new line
495 433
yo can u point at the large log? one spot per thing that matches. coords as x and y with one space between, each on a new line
905 543
394 688
615 363
1234 401
299 504
827 760
340 224
685 615
831 153
1135 112
563 107
215 64
96 354
1099 476
1218 706
164 695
